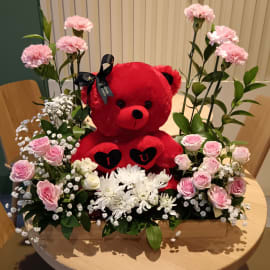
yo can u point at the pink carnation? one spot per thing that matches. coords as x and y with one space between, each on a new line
55 155
22 170
40 146
232 53
212 148
221 35
237 187
183 162
241 154
34 56
49 194
201 180
219 197
200 12
78 23
211 165
192 142
186 188
71 44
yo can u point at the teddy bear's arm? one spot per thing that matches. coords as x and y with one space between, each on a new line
172 149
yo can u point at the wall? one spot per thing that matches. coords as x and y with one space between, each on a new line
17 18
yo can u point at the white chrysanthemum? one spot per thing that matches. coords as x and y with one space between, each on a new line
167 203
127 189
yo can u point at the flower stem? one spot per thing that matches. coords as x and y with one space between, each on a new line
189 70
209 88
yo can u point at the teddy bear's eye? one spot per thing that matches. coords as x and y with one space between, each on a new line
147 104
120 103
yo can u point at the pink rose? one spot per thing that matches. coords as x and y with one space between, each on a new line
55 155
186 188
78 23
71 44
22 170
212 148
200 12
34 56
241 154
237 187
219 197
49 194
211 165
221 35
192 142
201 180
183 162
40 146
232 53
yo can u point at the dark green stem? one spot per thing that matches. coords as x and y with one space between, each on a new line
189 71
209 88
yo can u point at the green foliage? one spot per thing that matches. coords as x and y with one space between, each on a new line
108 229
198 88
215 76
78 132
81 196
70 222
34 36
85 221
67 231
154 235
182 122
254 86
236 201
241 112
250 75
174 222
47 26
197 125
209 50
238 90
197 49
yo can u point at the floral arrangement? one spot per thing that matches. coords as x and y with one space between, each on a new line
207 180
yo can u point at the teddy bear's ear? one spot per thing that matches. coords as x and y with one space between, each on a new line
173 77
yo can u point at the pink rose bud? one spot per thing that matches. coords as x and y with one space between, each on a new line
192 142
55 155
237 187
241 154
49 194
211 165
200 12
78 23
186 188
183 162
40 146
219 197
212 148
201 180
22 170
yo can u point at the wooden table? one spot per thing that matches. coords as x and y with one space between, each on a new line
229 252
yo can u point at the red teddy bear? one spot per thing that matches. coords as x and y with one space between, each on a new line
128 125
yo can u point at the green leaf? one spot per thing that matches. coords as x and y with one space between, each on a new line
67 92
197 49
250 75
67 61
237 200
253 86
34 36
49 72
136 227
53 48
46 125
182 122
63 128
154 235
228 120
75 111
82 196
198 68
239 142
29 215
70 222
67 231
197 125
108 229
241 112
215 76
209 50
197 88
174 222
85 221
250 101
46 26
77 132
238 90
123 226
218 102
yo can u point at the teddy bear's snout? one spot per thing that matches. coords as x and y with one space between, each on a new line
133 117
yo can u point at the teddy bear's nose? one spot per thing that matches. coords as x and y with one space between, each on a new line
137 114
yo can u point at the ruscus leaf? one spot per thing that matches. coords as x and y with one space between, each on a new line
154 236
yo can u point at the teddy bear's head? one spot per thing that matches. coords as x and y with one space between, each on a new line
141 100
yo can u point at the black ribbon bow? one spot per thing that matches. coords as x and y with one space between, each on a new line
88 79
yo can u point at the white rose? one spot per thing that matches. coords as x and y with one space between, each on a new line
84 166
91 182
